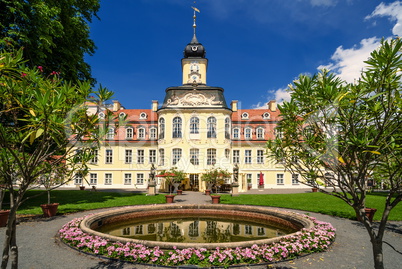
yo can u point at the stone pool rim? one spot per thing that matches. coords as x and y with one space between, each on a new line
92 222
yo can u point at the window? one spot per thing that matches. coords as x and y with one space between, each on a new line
177 124
248 229
227 128
247 133
141 133
152 133
295 179
260 133
161 128
110 133
176 155
122 115
78 179
260 231
94 159
194 156
279 179
140 178
236 133
211 127
236 156
93 179
109 156
143 116
194 125
128 156
78 155
152 156
247 156
140 156
227 153
108 179
129 133
161 157
101 115
127 179
244 116
260 156
139 229
249 178
211 156
266 116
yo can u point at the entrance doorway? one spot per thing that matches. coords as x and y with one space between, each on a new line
194 182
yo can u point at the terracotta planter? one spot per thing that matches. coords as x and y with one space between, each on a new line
4 217
216 199
82 188
314 189
49 210
369 213
179 192
207 192
169 198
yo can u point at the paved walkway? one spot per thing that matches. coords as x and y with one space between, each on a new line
352 249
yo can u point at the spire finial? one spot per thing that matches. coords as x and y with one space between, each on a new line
195 17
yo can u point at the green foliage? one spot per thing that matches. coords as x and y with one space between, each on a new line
54 34
171 176
215 175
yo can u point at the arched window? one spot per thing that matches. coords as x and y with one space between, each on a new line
177 124
211 127
129 133
247 133
211 156
141 133
161 128
152 133
260 133
227 128
110 133
194 125
236 133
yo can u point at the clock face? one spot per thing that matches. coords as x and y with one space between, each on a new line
194 77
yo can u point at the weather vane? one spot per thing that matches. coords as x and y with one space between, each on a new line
195 17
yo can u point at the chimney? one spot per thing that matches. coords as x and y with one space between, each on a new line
154 105
272 105
234 105
116 105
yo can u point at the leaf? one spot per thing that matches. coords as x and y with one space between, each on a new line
32 112
372 151
39 132
341 160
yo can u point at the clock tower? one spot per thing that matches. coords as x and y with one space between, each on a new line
194 64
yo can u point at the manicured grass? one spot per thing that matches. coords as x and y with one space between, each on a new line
314 202
75 200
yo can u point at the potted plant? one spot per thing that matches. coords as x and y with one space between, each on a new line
50 181
3 213
214 177
173 178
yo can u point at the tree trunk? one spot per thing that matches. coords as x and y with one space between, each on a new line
377 254
8 238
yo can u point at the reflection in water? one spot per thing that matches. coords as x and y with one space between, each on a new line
195 230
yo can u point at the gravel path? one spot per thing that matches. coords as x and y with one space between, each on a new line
39 249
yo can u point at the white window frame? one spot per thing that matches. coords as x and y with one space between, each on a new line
280 179
140 178
141 133
194 125
260 132
110 133
108 156
152 156
211 156
177 127
152 133
140 156
236 156
93 178
295 179
78 179
211 127
248 133
236 133
128 156
108 178
161 128
129 133
161 157
95 159
176 155
260 156
195 156
128 179
247 156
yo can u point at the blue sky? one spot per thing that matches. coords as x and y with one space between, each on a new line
255 48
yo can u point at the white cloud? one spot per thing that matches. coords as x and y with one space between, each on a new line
279 95
394 11
348 63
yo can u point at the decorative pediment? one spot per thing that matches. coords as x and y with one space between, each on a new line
194 99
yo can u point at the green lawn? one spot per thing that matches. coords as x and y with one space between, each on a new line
314 202
75 200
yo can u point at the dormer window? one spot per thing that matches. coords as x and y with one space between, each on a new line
122 115
266 116
244 116
143 116
101 115
129 133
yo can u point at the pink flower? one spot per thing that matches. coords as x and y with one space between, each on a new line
24 75
40 68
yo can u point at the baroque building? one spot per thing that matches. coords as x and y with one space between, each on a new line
194 129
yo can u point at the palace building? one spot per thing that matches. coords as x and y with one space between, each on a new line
194 129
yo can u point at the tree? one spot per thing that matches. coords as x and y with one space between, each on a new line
172 176
41 116
346 134
215 176
54 34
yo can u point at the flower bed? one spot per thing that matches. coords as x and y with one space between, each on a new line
316 239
